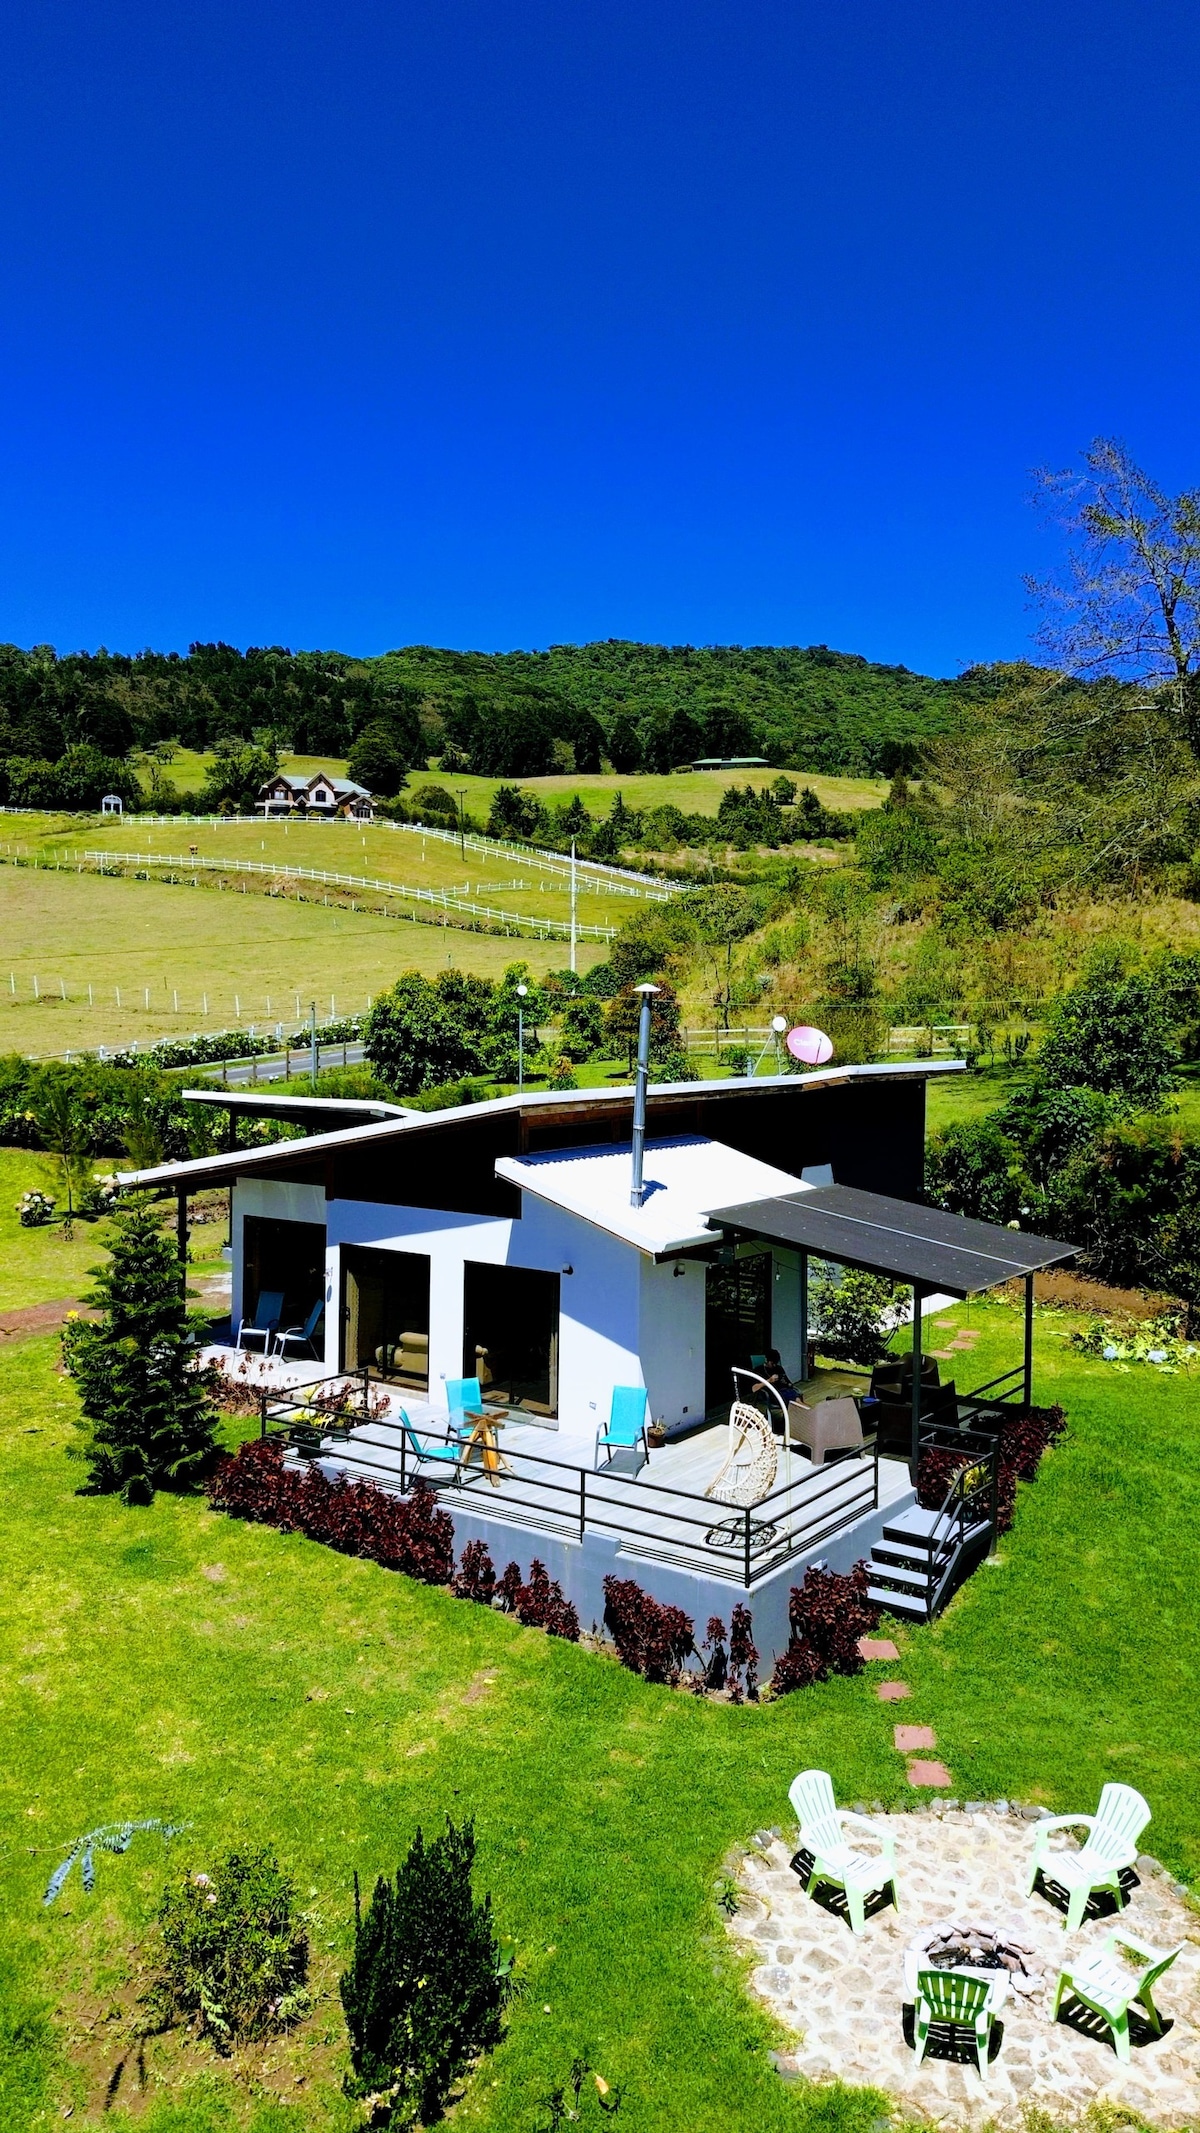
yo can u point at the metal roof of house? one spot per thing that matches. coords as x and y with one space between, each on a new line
684 1177
897 1237
218 1169
295 1110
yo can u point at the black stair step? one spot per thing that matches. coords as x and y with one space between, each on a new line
898 1603
906 1580
917 1528
908 1557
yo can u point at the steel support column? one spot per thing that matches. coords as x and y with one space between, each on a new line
918 1295
1029 1340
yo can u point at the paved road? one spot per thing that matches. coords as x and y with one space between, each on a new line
248 1073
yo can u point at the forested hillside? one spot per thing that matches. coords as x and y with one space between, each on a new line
509 714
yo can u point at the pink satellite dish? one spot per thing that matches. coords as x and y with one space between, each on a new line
810 1046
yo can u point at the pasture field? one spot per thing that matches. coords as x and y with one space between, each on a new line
697 792
259 1689
157 945
530 889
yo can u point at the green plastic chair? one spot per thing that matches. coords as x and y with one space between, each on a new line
822 1832
1109 1986
1110 1846
960 1997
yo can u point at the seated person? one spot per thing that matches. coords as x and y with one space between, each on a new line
775 1374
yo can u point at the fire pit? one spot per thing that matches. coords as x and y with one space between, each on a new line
963 1944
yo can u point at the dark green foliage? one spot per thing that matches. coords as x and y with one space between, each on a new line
582 1028
376 762
1127 1198
853 1313
78 781
1049 1125
426 1990
236 776
515 814
147 1417
972 1168
1112 1034
116 1104
233 1956
622 1019
418 1035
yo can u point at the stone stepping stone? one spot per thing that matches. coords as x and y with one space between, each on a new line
907 1738
877 1648
892 1691
934 1775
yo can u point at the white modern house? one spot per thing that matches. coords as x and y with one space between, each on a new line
499 1241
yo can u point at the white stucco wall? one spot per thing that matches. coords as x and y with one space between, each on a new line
624 1319
275 1202
671 1338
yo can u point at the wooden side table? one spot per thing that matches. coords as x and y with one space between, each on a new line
482 1438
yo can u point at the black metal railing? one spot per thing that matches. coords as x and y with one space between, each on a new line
741 1543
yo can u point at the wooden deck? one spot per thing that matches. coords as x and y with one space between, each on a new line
659 1512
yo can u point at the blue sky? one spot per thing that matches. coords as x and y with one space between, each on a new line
496 322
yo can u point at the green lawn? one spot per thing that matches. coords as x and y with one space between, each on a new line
695 791
257 1687
185 947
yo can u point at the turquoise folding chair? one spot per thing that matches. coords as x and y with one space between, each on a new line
441 1454
260 1324
300 1336
626 1423
463 1397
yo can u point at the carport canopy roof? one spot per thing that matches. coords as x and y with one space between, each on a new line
922 1245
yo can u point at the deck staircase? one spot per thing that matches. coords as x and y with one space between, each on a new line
923 1556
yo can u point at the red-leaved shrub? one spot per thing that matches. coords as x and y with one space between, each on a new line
1020 1442
475 1578
509 1588
412 1535
651 1639
799 1667
743 1656
542 1604
827 1614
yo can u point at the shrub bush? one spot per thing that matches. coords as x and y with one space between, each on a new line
475 1578
412 1535
856 1313
233 1958
827 1615
1020 1443
743 1656
651 1639
541 1604
426 1990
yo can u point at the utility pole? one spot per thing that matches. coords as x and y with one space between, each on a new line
462 822
574 891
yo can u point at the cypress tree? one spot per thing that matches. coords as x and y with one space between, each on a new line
426 1990
148 1418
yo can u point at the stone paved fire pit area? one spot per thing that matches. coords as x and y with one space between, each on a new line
846 1998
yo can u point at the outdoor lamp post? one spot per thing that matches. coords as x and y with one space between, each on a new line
778 1031
522 996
